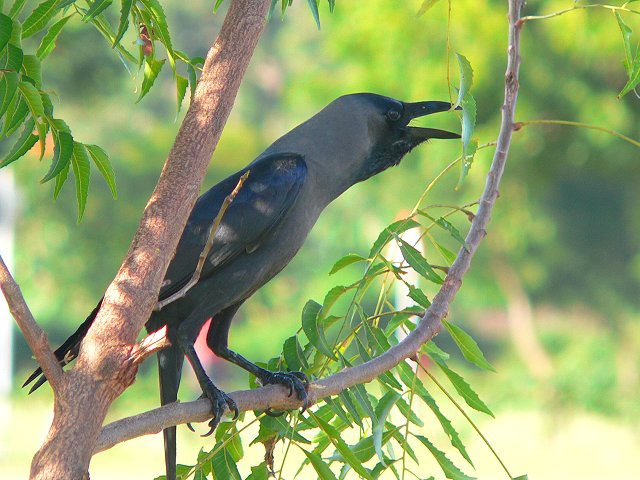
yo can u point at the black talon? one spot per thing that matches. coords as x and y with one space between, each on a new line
271 413
190 427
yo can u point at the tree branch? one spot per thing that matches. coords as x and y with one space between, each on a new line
275 397
33 334
102 371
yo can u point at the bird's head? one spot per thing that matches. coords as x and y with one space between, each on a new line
389 135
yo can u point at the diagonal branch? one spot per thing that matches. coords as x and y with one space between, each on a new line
276 396
33 334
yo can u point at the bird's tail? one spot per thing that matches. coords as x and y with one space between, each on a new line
170 362
67 351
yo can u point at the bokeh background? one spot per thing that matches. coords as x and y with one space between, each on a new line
553 295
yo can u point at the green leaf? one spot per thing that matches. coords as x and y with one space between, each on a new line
62 151
8 88
321 468
81 171
107 32
16 8
259 472
448 467
634 79
224 466
626 40
15 116
43 128
6 27
48 42
383 409
407 375
362 397
418 296
123 25
151 70
39 18
61 179
349 402
464 390
521 477
408 413
12 60
448 226
469 146
293 355
466 78
22 145
468 346
312 328
313 5
389 232
345 261
32 97
217 5
161 27
96 8
32 68
101 159
181 89
331 298
415 259
426 6
336 439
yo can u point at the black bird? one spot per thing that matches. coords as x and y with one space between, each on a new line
353 138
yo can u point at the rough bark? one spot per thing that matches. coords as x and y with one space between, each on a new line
102 371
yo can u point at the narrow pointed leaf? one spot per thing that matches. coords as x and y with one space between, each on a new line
48 42
448 467
259 472
313 5
39 18
32 96
415 259
61 179
151 70
345 261
626 40
321 468
6 27
383 409
22 145
464 390
467 346
466 77
96 8
12 59
224 466
62 151
469 146
81 171
123 25
17 116
418 296
313 330
101 159
388 233
181 89
336 439
16 8
32 68
161 27
42 128
8 88
426 6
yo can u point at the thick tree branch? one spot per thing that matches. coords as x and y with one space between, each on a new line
275 396
102 371
33 334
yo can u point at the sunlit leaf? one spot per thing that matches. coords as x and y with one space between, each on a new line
62 151
151 70
22 145
16 8
15 116
319 465
466 78
448 467
345 261
426 6
313 329
224 466
464 390
48 42
39 18
161 28
418 296
61 179
313 5
101 159
293 355
415 259
467 346
385 404
388 233
12 59
33 99
342 447
626 40
96 8
260 472
32 68
181 89
81 171
123 24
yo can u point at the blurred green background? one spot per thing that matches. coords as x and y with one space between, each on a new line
553 294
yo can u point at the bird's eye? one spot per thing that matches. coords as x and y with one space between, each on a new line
393 115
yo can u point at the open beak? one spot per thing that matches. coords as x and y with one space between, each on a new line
420 109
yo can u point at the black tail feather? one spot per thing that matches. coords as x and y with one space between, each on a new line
170 362
65 352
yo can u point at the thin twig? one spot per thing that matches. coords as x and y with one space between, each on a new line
207 247
33 334
588 126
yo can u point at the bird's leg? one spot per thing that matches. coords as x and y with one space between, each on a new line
217 339
219 400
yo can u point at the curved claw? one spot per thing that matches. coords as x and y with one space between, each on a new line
297 382
271 413
190 427
211 429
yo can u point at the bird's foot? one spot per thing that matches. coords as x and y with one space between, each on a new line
295 381
219 402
